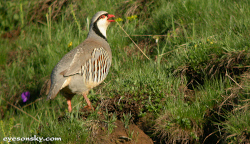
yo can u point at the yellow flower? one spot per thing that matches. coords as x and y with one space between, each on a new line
133 17
195 45
70 44
208 40
118 19
211 42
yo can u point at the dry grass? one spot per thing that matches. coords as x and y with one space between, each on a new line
172 132
42 7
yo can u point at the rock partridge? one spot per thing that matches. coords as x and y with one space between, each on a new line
85 66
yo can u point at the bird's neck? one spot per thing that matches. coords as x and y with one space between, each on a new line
95 30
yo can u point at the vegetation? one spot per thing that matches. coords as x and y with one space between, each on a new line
191 86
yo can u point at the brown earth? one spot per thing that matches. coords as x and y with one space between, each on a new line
131 134
122 135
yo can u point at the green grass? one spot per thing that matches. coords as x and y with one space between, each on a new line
182 91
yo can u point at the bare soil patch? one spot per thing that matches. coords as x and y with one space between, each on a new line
132 135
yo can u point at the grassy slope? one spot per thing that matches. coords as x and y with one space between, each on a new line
199 34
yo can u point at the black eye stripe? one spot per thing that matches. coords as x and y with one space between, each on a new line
95 28
102 15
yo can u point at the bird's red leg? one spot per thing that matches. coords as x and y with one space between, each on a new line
69 105
89 106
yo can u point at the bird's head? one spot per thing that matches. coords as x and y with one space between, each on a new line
100 23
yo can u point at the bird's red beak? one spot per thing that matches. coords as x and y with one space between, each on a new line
110 16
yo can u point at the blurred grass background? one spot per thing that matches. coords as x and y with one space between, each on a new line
194 88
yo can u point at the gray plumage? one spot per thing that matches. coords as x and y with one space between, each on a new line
85 66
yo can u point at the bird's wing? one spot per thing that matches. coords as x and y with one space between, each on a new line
78 59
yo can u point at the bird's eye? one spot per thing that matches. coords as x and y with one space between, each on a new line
102 16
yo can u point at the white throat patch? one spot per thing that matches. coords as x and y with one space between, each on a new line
102 25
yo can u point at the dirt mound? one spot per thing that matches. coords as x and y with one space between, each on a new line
120 134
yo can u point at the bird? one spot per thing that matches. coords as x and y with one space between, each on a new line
85 66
